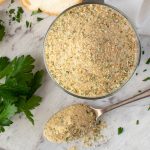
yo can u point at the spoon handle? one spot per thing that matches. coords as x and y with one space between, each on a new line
127 101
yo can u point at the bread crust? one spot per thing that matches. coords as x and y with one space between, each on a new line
2 1
26 4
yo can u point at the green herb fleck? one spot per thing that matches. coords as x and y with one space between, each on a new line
12 11
144 70
139 91
143 52
137 122
18 16
2 30
136 74
148 61
28 24
120 130
39 19
36 12
13 18
146 79
148 108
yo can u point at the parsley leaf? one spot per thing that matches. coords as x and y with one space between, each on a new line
33 102
120 130
2 30
29 115
8 96
36 12
4 61
16 85
37 81
18 66
8 111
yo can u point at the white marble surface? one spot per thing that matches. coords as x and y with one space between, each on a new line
23 136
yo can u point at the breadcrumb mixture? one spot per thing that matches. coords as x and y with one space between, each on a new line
91 50
71 123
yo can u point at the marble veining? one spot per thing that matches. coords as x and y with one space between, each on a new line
23 136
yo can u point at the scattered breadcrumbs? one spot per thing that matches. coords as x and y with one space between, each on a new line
91 50
76 122
94 135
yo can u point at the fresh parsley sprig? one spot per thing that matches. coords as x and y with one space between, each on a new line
17 91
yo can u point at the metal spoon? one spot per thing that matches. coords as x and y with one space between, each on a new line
100 111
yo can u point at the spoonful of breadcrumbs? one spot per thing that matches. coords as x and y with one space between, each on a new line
76 121
70 123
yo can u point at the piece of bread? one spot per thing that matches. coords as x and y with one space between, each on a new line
1 1
51 7
31 4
